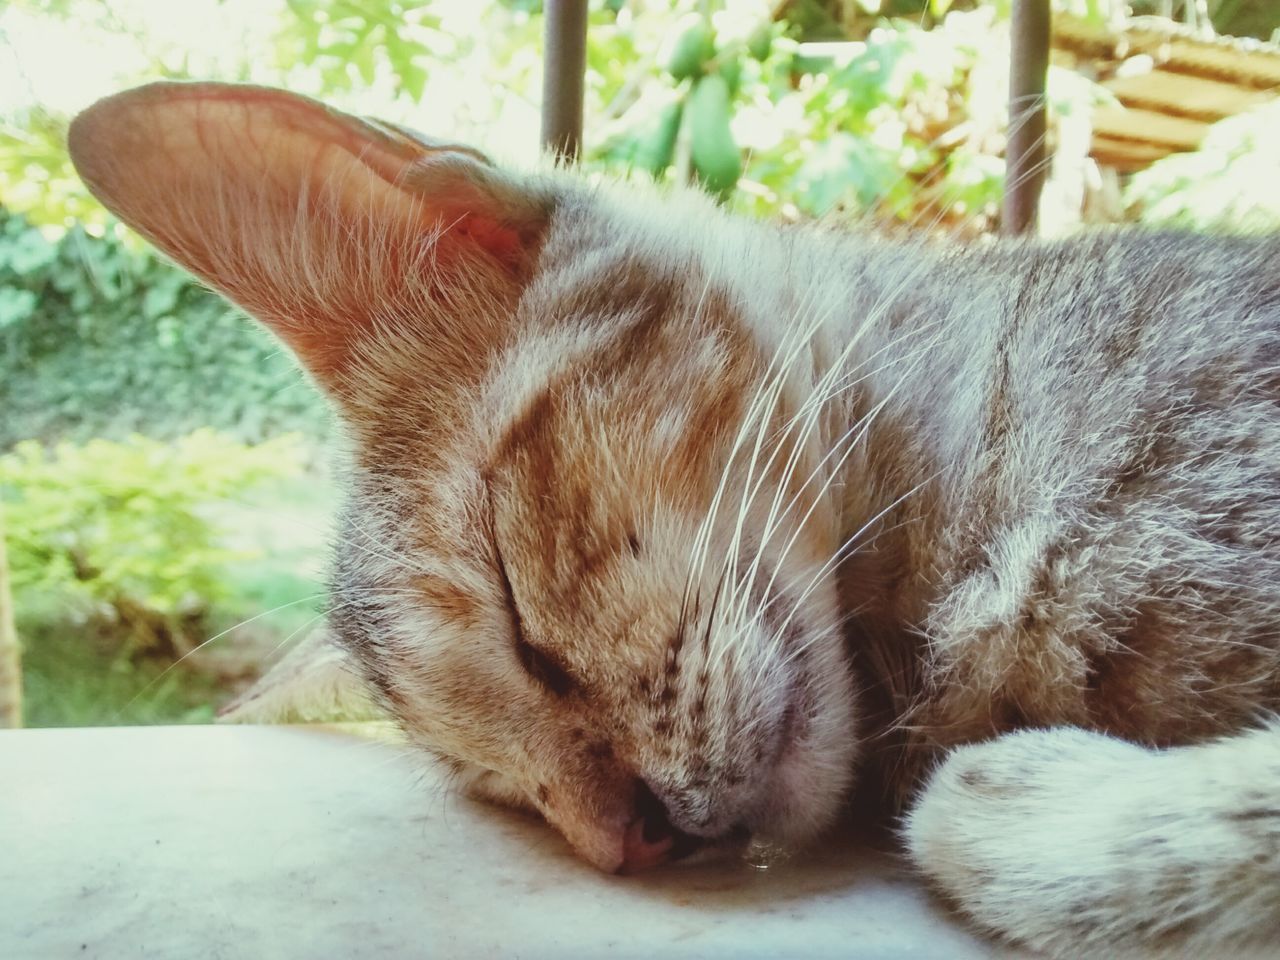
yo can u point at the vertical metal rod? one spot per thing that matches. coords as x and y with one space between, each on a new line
1025 153
564 65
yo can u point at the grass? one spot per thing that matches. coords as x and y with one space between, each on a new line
78 674
72 679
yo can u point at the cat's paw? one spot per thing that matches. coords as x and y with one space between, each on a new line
1078 844
990 831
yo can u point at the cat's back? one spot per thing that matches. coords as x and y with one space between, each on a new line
1169 302
1103 548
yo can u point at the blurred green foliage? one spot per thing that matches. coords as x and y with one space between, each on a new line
36 175
901 118
76 678
118 534
714 92
351 43
1228 184
100 337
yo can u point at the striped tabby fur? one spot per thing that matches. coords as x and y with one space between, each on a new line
670 526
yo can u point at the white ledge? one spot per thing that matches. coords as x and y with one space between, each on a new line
288 842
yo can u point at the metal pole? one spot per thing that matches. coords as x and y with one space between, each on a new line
563 67
1025 153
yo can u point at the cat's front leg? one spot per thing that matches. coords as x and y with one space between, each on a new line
1079 844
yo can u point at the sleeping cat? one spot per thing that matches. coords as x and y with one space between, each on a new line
670 526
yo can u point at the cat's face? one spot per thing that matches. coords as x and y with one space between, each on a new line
581 602
586 555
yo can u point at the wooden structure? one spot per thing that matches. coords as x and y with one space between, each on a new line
1171 84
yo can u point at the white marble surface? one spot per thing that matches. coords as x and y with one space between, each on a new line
280 842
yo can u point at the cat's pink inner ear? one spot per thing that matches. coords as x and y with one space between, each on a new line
324 226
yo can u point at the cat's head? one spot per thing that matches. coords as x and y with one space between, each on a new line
585 557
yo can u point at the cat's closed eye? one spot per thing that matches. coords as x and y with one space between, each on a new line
544 668
540 665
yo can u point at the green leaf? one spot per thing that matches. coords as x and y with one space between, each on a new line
413 80
15 305
846 170
161 298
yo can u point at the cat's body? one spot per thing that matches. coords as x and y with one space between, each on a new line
1079 484
667 525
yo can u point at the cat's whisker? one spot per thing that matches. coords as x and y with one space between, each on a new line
1045 163
816 403
844 447
751 489
218 636
702 540
760 415
394 561
769 597
814 407
846 550
807 418
788 350
230 630
851 439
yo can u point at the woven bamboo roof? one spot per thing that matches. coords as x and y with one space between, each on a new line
1171 83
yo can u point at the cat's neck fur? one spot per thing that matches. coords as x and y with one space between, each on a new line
870 346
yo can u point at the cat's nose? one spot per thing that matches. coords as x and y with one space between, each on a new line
651 838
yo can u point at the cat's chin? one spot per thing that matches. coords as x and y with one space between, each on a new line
813 773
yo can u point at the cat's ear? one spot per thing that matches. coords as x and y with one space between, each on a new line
328 228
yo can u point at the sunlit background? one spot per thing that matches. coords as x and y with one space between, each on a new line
166 475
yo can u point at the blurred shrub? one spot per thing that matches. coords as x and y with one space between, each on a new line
99 337
36 175
905 124
351 44
1228 184
120 533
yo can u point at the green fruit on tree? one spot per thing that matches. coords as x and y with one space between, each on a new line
716 156
760 42
656 144
694 46
731 70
